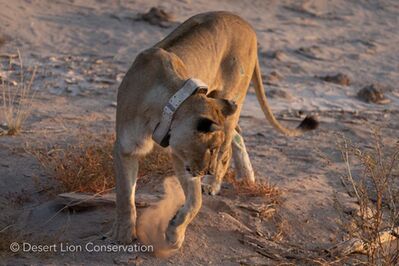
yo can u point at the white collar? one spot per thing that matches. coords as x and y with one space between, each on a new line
161 132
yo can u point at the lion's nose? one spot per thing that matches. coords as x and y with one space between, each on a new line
188 169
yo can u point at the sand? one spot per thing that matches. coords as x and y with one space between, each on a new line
82 50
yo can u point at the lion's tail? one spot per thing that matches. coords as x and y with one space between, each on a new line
309 123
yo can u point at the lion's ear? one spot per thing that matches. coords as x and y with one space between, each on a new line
228 107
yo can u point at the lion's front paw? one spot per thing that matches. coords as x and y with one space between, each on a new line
123 232
174 237
210 185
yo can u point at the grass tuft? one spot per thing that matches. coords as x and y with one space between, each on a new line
372 179
82 167
17 98
87 166
246 188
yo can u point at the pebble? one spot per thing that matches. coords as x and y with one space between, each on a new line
159 17
339 78
120 76
73 90
273 78
372 94
279 93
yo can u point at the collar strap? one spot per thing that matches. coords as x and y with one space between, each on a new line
161 132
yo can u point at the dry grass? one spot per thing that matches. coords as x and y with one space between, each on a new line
82 167
245 188
87 166
372 178
17 99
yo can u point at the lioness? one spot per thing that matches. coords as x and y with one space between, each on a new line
187 92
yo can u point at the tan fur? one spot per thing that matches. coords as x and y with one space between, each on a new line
219 48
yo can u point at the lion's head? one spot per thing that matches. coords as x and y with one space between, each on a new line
197 132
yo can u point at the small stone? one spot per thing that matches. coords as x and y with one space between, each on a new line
372 94
73 90
339 78
56 90
273 78
70 81
4 126
277 55
53 59
103 80
279 93
120 76
313 52
157 16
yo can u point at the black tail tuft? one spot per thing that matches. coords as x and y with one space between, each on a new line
309 123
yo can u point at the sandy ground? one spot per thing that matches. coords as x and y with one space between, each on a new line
82 50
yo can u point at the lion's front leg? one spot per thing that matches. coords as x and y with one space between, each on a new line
192 190
126 168
243 167
212 183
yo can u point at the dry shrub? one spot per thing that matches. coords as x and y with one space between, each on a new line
17 98
88 165
372 178
82 167
246 188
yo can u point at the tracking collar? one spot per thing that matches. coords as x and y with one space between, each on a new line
161 133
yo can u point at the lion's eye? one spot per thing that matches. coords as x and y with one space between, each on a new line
206 125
